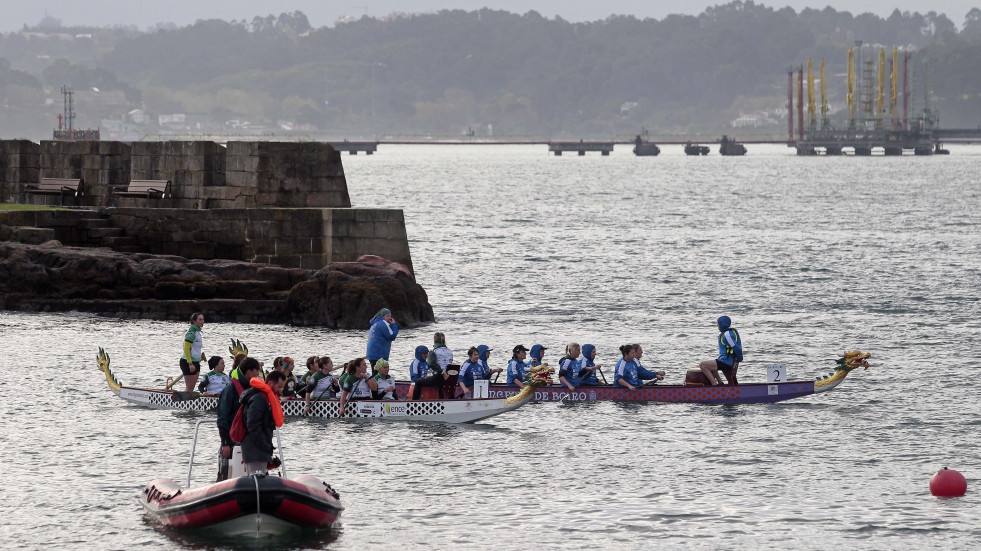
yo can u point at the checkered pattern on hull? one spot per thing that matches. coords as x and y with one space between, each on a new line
318 408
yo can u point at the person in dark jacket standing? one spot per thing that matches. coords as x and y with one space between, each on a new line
227 407
262 415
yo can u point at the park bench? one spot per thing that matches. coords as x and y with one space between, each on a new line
56 186
151 189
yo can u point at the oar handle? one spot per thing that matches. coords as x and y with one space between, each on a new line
174 382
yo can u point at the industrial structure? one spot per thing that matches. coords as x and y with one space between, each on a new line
877 114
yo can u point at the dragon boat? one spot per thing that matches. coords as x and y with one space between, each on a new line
262 505
742 393
456 410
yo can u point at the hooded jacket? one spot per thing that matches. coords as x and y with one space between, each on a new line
380 337
537 352
587 377
484 371
730 345
419 368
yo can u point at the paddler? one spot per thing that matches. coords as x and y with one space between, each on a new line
216 380
518 367
625 374
569 366
730 354
537 353
642 372
587 369
193 355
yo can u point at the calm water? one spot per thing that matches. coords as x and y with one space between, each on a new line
808 255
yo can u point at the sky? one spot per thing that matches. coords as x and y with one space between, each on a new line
145 13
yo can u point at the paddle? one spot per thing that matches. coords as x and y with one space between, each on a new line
600 369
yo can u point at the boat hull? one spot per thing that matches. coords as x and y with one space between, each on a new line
231 507
443 411
752 393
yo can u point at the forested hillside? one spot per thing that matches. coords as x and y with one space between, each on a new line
486 71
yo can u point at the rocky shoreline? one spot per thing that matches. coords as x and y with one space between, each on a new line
51 277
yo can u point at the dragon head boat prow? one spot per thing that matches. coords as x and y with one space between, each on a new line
103 360
238 347
849 361
537 377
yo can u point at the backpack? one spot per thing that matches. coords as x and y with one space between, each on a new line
238 431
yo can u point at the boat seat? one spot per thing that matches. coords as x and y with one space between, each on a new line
449 385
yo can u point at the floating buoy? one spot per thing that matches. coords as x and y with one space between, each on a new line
948 483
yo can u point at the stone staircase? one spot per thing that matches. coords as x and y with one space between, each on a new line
75 228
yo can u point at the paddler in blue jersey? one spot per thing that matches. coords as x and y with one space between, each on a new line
569 366
730 354
625 374
419 369
587 369
483 353
469 370
642 372
537 353
518 367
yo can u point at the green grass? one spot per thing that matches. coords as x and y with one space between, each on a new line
18 206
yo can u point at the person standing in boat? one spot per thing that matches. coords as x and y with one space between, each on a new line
469 370
321 384
419 369
385 382
216 380
356 384
263 414
227 407
643 373
569 366
518 367
193 354
383 331
537 353
730 355
587 369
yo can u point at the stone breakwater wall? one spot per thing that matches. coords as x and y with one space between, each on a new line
203 174
308 238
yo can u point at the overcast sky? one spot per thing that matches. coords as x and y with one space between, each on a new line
146 13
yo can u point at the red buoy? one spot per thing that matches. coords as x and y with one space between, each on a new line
948 483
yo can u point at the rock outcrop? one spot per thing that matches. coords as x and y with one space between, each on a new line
343 295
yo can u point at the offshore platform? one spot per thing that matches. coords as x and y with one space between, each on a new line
871 120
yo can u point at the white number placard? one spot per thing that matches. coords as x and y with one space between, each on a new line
776 374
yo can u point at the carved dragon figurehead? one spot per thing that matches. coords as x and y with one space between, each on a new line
849 361
103 359
538 376
238 347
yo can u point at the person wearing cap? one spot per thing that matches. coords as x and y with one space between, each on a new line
418 368
216 379
385 382
380 336
321 384
642 372
469 370
483 353
587 369
537 353
569 366
730 354
518 367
